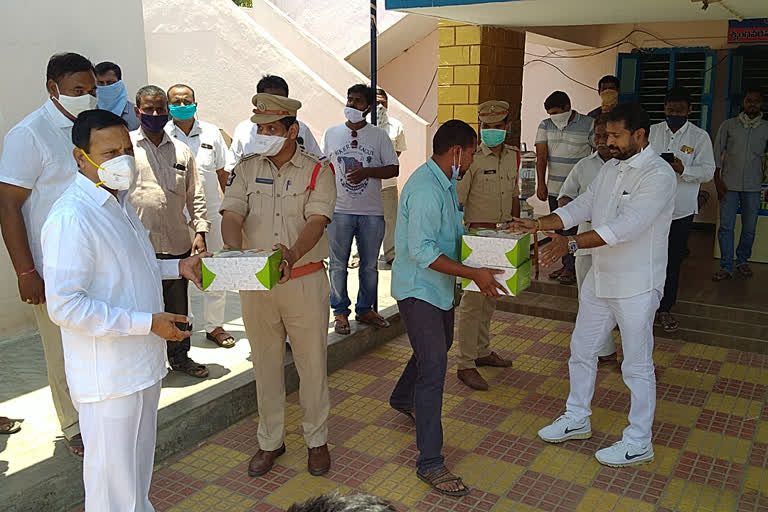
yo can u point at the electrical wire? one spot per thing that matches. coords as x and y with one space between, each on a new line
553 54
427 93
561 72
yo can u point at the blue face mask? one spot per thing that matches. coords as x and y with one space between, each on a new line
456 169
493 137
112 97
676 122
182 112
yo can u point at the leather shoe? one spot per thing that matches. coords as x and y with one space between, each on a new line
472 378
493 359
318 460
263 461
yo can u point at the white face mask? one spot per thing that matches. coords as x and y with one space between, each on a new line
353 115
75 104
267 145
456 168
561 120
381 112
117 173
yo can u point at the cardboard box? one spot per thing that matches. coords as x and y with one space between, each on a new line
514 280
490 248
253 269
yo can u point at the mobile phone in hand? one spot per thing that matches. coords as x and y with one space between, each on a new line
669 157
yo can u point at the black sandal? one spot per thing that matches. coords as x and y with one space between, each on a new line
442 476
191 368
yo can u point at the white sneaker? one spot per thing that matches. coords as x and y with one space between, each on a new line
565 428
623 454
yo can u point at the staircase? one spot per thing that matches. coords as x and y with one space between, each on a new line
721 326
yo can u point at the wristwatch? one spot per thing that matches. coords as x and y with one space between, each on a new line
573 245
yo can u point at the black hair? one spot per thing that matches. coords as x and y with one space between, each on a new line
181 86
557 99
633 115
63 64
608 79
753 88
272 82
368 93
149 90
453 133
351 503
287 122
381 92
678 94
106 67
602 119
90 120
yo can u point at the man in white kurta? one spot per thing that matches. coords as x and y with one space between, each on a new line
630 204
103 287
580 178
694 163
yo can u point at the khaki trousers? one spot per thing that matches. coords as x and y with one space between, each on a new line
50 334
474 325
389 197
300 309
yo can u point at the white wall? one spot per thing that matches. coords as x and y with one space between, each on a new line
30 32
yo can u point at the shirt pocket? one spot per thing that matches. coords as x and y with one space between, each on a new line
294 204
206 158
260 200
178 182
490 183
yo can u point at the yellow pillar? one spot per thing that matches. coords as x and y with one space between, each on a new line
477 64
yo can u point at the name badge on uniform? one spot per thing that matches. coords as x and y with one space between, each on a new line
265 181
180 167
206 146
490 171
688 150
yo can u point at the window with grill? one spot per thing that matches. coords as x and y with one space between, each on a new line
646 75
747 66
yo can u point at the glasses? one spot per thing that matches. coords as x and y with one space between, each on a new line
354 141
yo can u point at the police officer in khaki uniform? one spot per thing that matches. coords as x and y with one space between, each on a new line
283 197
490 195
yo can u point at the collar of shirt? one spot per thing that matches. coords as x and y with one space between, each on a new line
637 160
296 160
59 119
99 195
141 135
177 132
683 129
441 177
597 156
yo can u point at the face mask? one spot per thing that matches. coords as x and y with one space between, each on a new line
183 112
75 104
117 173
381 112
267 145
154 124
493 137
610 98
456 168
112 97
353 115
676 122
561 120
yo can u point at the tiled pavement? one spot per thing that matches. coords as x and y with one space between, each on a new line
710 437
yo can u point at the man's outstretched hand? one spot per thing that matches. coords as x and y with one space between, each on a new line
192 268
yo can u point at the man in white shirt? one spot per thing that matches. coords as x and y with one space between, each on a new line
363 156
207 144
688 149
578 181
35 168
242 139
630 205
103 289
394 129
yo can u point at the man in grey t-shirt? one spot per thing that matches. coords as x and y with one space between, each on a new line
363 155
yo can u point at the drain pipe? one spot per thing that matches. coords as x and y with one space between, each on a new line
374 65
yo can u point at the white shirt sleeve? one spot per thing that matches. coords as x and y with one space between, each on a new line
169 269
577 211
387 150
220 151
22 161
400 144
639 210
235 152
69 265
570 187
702 168
310 143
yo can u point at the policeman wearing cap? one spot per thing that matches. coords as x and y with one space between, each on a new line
283 197
489 194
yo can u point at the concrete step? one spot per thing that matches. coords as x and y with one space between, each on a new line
708 330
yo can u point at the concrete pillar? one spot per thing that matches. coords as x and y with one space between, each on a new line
477 64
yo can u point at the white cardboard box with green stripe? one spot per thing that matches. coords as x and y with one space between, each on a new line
502 250
252 269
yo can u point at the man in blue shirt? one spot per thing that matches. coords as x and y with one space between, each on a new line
427 239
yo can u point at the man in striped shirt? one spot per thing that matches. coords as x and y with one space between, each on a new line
561 141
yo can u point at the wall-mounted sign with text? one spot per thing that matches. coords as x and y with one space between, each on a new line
748 31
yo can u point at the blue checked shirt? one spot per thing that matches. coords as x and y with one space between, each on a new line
565 147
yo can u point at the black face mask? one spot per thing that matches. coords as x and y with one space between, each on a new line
676 122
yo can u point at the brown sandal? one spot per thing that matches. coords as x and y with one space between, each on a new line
341 325
221 337
373 318
191 368
556 274
567 278
744 270
442 476
721 275
9 426
76 446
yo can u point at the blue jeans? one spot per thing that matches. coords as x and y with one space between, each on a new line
368 230
750 206
420 387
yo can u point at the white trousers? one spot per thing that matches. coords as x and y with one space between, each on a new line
119 435
583 264
596 318
214 303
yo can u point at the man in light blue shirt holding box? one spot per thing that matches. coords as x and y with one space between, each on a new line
427 239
